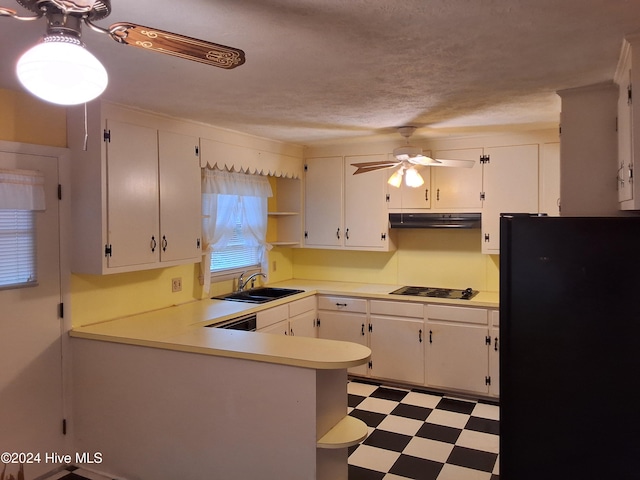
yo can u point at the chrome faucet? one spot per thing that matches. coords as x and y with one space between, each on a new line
242 283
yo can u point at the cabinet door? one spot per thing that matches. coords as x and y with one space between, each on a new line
397 346
348 327
494 353
625 122
303 325
510 186
180 197
323 202
132 195
457 356
366 219
458 187
279 328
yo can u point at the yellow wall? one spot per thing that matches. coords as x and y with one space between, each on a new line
437 258
25 119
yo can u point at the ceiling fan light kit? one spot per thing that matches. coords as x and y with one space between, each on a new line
61 70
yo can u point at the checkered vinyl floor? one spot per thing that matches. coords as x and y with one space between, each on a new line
422 436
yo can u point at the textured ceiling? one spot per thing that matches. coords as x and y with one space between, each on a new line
320 70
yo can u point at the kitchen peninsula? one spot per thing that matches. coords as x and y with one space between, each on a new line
163 397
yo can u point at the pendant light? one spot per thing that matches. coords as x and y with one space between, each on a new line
60 69
412 178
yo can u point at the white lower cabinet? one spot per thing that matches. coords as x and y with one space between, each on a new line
345 319
396 339
457 349
494 353
295 318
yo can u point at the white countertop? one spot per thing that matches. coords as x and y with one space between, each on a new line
181 327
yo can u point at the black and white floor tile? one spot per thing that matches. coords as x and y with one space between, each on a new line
422 436
413 435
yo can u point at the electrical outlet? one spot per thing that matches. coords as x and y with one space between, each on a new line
176 284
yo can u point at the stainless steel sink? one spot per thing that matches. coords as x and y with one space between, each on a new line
259 295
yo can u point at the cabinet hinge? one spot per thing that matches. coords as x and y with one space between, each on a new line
108 250
197 150
61 310
629 95
487 340
387 197
383 236
487 380
107 136
485 159
487 237
317 322
482 196
64 426
198 243
59 192
370 364
306 234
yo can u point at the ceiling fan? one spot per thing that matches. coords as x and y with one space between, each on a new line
408 157
59 80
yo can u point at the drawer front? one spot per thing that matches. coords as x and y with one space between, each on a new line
495 317
273 315
397 309
343 304
301 306
457 314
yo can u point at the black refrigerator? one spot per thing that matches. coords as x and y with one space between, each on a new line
569 348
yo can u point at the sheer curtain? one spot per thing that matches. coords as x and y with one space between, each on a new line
21 190
227 196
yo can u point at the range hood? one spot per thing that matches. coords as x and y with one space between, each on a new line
434 220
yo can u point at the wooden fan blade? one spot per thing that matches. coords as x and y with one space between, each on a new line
177 45
365 167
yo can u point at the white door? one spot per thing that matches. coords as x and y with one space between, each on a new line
458 187
366 217
132 195
397 346
323 202
31 402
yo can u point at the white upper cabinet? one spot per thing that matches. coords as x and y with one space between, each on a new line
510 185
458 188
343 210
628 142
136 201
408 198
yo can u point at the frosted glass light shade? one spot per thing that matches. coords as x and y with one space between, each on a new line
396 179
412 178
60 70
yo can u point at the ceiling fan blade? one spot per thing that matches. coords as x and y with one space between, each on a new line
372 166
177 45
454 163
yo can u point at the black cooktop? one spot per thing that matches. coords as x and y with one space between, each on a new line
451 293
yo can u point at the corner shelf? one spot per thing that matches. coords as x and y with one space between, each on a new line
347 432
285 215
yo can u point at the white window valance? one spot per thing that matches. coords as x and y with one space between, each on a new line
231 183
21 190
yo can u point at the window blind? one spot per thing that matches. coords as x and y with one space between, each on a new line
17 248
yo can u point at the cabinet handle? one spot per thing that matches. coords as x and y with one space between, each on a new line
164 243
420 335
362 330
430 336
346 234
338 233
426 194
154 244
438 194
341 305
495 344
291 330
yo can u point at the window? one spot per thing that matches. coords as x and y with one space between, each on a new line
17 248
234 207
21 193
